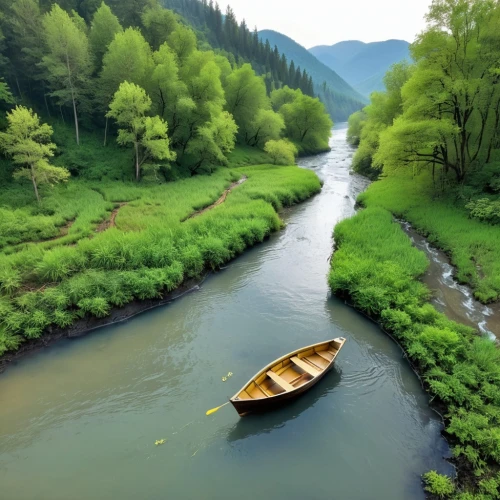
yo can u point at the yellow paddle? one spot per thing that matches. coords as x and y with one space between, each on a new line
213 410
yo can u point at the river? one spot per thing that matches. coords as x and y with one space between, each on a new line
79 420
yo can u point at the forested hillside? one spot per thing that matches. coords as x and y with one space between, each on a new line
279 66
363 65
103 106
241 44
339 97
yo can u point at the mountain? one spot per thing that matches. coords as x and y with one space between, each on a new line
338 95
362 65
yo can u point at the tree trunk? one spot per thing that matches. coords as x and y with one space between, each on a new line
34 184
76 119
74 102
62 115
46 104
137 169
106 132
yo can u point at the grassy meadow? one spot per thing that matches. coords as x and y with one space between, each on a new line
57 264
473 246
378 269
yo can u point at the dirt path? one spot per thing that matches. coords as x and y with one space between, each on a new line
111 222
221 200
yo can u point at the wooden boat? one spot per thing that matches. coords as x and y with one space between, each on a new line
287 377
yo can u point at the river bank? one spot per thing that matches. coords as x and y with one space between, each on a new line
473 247
378 269
154 248
99 402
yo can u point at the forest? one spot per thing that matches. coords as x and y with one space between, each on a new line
431 141
118 123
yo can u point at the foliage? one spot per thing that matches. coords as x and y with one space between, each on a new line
67 61
438 485
385 107
149 252
356 123
282 152
447 112
147 134
377 268
473 247
27 142
104 27
307 124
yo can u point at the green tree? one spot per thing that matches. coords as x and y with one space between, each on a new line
165 85
282 96
129 58
27 141
204 100
158 24
265 126
104 27
307 123
5 94
282 152
245 96
67 60
212 143
452 100
28 37
147 134
183 42
356 122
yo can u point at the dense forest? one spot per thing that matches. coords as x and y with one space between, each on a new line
432 139
104 105
194 102
441 113
224 32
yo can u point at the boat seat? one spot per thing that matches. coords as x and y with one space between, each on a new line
321 354
280 381
304 366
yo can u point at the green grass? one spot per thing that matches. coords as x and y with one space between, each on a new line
473 246
378 269
149 252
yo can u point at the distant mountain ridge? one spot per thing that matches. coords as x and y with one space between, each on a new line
362 65
344 98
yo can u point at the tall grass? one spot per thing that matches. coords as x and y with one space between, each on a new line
376 266
473 246
150 251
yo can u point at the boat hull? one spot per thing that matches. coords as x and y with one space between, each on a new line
244 403
245 406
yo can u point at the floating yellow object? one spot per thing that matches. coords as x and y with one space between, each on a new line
230 374
213 410
160 441
224 379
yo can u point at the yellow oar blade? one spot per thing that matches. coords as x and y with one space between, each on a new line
213 410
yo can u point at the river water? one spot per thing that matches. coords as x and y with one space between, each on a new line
450 297
79 420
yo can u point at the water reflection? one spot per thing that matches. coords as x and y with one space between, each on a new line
264 423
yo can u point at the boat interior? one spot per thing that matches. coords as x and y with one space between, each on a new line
291 372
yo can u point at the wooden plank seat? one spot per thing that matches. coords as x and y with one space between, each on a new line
304 366
280 381
324 356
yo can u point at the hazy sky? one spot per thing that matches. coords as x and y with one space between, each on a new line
325 22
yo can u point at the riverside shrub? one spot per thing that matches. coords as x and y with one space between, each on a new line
151 250
377 268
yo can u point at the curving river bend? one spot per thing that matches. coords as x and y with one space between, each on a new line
79 420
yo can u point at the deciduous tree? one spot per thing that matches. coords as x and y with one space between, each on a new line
147 134
27 142
104 27
67 61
